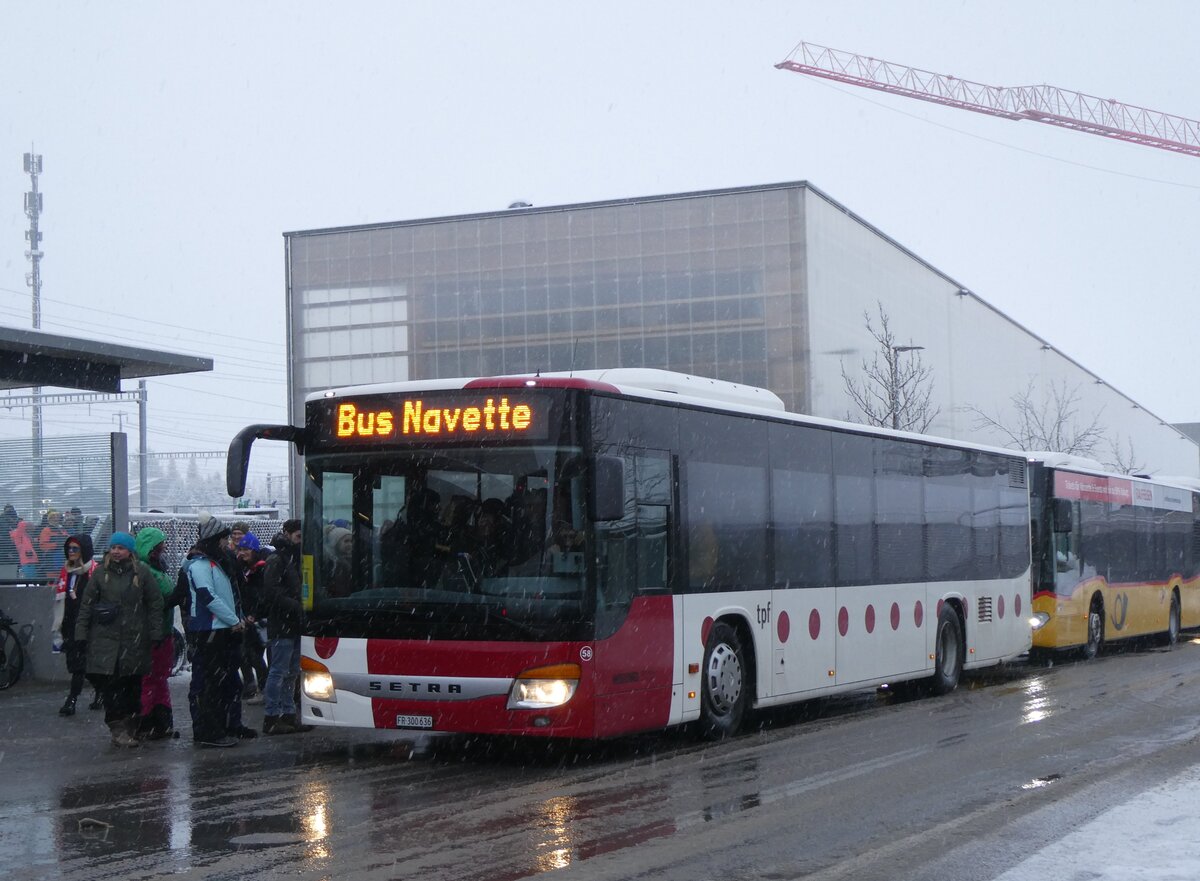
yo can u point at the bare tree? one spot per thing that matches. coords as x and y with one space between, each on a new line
1053 424
896 387
1124 460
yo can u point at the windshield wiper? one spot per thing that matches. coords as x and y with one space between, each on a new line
527 629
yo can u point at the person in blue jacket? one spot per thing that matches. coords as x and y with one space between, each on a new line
216 624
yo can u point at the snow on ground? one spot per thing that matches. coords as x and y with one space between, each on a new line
1153 837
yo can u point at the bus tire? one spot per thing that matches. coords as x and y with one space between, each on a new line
724 690
948 652
1095 629
1171 636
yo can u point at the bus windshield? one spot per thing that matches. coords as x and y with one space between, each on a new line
451 542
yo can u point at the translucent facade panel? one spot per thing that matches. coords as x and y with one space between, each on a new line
593 286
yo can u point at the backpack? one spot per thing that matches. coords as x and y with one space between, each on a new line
182 594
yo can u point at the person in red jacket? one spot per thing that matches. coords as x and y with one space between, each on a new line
68 595
27 557
50 542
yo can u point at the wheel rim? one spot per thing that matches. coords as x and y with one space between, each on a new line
948 649
724 679
1094 629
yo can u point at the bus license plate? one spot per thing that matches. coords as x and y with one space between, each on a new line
403 721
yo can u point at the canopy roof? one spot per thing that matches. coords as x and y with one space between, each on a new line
31 358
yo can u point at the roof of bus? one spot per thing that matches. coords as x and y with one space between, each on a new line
659 385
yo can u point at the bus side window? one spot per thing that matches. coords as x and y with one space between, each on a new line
632 552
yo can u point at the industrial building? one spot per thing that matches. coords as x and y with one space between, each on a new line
763 285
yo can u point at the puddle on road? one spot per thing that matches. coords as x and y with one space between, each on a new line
156 815
266 839
1041 782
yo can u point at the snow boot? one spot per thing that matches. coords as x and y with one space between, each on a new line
293 720
277 725
68 708
158 724
124 732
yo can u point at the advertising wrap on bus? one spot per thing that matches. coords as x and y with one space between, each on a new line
1120 491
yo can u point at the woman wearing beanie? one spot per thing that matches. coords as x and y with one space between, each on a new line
339 546
157 720
216 624
68 595
120 617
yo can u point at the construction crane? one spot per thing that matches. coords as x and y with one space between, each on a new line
1048 104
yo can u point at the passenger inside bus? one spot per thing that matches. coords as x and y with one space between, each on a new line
564 556
490 550
339 548
529 531
419 539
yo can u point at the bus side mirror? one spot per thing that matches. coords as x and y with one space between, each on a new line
237 462
1062 515
607 497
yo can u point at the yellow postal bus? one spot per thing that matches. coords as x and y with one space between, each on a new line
1114 556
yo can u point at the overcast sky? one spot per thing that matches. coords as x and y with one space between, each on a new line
181 141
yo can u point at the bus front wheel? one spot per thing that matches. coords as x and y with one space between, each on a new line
1171 637
948 657
723 692
1095 630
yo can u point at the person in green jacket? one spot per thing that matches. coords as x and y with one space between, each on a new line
120 618
157 720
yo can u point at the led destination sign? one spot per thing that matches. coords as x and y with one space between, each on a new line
471 416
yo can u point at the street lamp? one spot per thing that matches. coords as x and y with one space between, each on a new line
895 391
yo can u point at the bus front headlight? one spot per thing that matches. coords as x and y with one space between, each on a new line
544 687
318 681
1038 620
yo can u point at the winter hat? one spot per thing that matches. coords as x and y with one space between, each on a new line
122 539
333 535
85 545
211 527
249 540
148 538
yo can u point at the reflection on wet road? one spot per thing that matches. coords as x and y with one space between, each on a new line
812 786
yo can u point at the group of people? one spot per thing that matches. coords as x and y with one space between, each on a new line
36 550
430 542
116 620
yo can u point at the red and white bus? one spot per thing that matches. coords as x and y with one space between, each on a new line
1115 556
614 551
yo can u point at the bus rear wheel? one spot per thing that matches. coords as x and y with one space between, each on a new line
723 692
1095 631
1171 636
948 657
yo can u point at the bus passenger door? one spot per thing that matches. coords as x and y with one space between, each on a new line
635 657
1071 610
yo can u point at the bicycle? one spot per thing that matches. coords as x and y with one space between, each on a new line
12 656
181 660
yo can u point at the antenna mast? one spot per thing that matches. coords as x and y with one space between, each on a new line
33 210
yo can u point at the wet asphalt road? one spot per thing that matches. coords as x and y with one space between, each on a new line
862 787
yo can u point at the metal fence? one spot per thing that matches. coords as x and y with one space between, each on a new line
182 530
